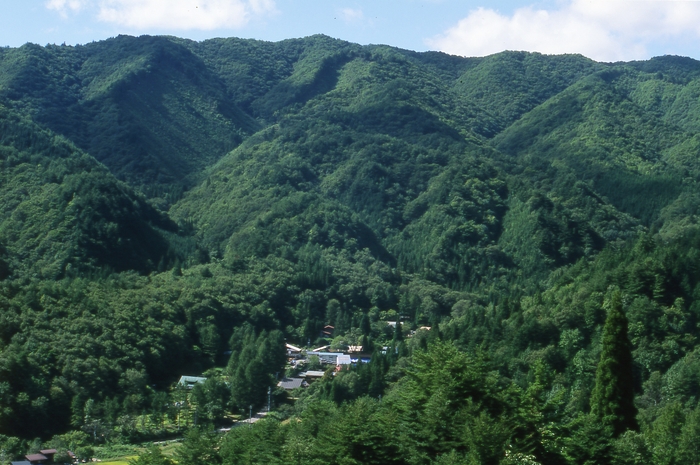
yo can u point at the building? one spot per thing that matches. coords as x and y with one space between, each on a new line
329 358
310 376
327 331
37 459
190 381
292 383
291 350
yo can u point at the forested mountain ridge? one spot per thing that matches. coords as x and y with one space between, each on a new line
171 206
148 109
63 212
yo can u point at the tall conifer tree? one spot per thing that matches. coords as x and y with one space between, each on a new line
612 399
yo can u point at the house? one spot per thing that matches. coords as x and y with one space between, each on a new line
291 350
21 462
343 360
310 376
327 331
357 354
330 358
319 349
49 453
190 381
36 459
292 383
422 328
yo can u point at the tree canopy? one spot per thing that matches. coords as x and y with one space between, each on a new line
513 239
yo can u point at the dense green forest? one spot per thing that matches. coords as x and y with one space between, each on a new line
529 224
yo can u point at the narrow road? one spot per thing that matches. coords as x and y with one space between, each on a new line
248 421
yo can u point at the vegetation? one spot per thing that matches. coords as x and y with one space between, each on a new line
527 223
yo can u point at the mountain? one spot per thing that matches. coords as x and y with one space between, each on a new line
146 108
510 84
170 206
411 143
64 213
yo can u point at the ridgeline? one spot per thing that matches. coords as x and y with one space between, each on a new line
170 207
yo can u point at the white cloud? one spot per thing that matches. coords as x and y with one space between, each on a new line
65 6
350 15
605 30
261 7
170 14
183 14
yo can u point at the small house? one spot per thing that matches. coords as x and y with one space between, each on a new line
329 358
36 459
190 381
292 383
291 350
318 349
49 453
311 376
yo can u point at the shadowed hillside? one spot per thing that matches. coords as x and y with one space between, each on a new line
512 240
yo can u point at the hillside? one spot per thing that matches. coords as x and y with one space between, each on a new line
170 207
148 109
64 213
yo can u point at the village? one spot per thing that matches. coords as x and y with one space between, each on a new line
306 366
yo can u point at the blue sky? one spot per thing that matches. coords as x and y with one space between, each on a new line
605 30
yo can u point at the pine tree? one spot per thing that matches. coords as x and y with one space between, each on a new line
612 399
398 332
365 326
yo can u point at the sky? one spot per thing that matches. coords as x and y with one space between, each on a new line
604 30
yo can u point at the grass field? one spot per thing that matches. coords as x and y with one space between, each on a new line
119 461
168 450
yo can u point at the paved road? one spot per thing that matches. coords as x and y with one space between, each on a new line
248 421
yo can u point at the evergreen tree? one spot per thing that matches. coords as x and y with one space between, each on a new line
253 365
365 326
612 399
152 456
688 448
398 332
199 447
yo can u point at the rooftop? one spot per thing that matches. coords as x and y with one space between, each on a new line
313 374
293 348
290 383
190 381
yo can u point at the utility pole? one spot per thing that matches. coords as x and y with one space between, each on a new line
250 416
269 398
